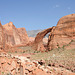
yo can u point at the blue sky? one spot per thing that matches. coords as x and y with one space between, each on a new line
35 14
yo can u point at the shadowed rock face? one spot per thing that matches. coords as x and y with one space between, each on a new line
38 42
63 33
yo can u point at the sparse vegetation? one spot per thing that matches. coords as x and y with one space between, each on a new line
15 51
2 73
63 47
23 51
58 46
53 57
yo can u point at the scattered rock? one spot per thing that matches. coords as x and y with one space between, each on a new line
25 66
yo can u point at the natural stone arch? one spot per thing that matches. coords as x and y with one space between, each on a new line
38 42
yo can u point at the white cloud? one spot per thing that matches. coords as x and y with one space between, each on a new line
56 6
69 8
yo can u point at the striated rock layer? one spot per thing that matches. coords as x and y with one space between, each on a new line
60 36
38 42
12 36
64 33
2 39
23 34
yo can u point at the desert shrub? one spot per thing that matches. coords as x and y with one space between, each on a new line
63 47
15 51
23 51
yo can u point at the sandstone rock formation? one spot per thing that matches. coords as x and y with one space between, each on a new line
31 39
2 40
38 42
11 36
23 34
15 36
64 33
61 35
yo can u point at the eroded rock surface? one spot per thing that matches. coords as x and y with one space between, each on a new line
23 34
64 33
11 34
15 36
20 65
2 39
38 42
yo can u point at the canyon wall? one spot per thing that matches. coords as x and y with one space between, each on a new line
12 36
64 33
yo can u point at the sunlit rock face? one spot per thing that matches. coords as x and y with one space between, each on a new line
15 36
2 40
63 33
38 42
23 34
11 34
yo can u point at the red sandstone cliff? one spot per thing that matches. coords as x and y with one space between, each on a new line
61 35
12 36
2 39
64 33
23 34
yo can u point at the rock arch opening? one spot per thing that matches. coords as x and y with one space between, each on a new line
45 40
38 42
